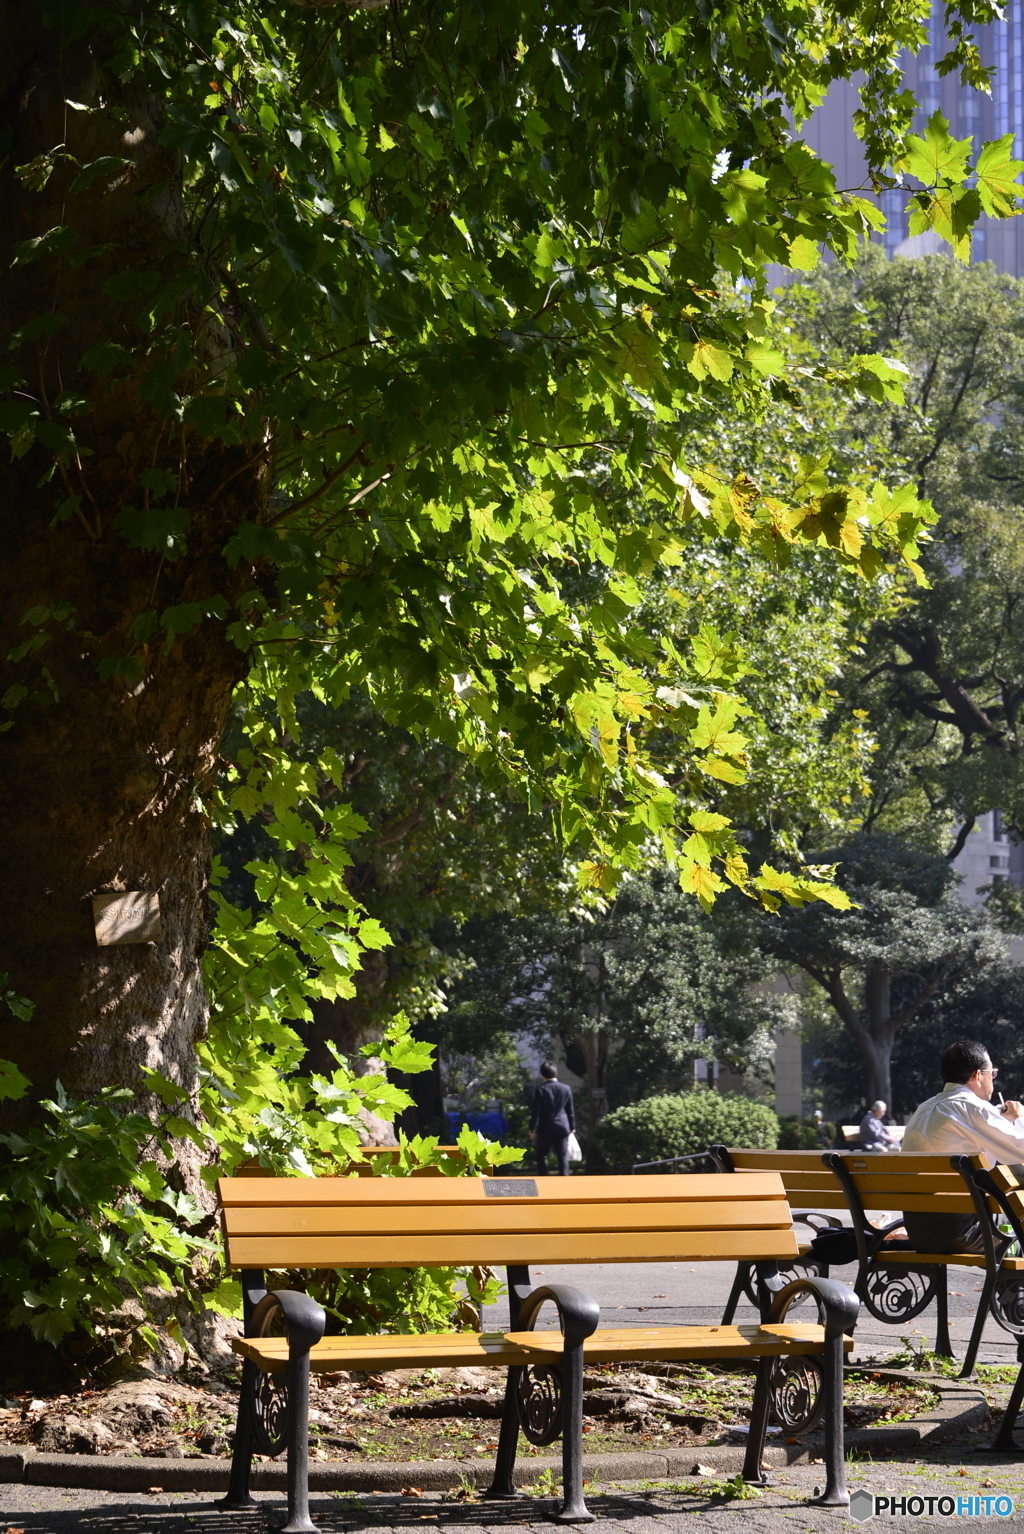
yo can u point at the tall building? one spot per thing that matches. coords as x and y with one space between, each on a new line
830 131
988 857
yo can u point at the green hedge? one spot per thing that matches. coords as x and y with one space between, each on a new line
659 1127
802 1134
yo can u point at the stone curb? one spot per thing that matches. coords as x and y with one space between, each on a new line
961 1407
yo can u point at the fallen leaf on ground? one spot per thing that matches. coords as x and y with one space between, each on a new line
154 1491
703 1470
412 1491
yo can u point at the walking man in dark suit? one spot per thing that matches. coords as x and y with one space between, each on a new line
552 1120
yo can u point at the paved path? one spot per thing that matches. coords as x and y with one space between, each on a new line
686 1294
636 1509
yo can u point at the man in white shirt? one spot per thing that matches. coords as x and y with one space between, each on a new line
962 1120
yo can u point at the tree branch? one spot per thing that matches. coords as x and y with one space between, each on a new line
961 839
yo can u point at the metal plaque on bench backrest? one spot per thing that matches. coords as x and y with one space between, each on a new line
510 1187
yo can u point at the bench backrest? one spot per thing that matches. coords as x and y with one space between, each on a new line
350 1222
899 1181
1010 1181
909 1181
808 1184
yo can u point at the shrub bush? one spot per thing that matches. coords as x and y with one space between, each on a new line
802 1134
659 1127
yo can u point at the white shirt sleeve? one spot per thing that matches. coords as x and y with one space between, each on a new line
1000 1137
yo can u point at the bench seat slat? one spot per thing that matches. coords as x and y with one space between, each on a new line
468 1349
440 1350
684 1342
951 1259
497 1217
484 1249
295 1192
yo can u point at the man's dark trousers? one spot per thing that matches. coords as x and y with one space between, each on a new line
552 1142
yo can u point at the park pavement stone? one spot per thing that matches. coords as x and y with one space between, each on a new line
635 1508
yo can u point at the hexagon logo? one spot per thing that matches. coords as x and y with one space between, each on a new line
862 1505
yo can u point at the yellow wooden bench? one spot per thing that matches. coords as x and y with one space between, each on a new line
299 1223
895 1281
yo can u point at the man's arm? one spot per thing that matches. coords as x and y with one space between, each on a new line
999 1134
570 1111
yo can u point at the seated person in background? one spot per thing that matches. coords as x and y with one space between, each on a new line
962 1120
873 1134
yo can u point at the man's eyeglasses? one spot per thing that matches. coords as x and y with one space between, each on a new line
991 1070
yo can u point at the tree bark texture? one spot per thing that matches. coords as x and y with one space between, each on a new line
103 779
874 1031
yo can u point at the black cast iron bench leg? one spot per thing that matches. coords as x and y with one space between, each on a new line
304 1322
1003 1441
253 1291
578 1315
573 1509
835 1493
752 1469
840 1306
943 1346
502 1487
299 1521
239 1495
984 1300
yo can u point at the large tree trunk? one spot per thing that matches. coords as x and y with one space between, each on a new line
877 1047
103 779
873 1031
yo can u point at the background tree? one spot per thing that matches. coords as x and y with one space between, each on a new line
907 942
941 678
635 994
985 1002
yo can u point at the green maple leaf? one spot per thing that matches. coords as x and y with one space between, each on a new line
952 214
638 356
997 178
713 732
938 157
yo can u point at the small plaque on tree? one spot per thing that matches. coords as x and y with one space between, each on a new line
130 918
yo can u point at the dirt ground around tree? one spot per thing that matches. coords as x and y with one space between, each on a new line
434 1414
